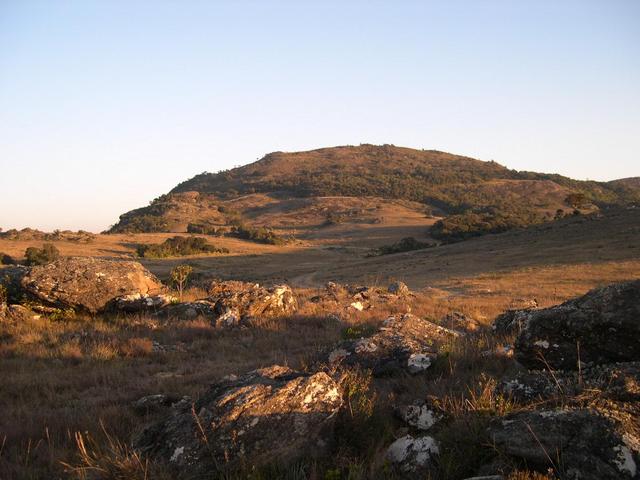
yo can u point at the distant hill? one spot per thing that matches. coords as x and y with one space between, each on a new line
470 191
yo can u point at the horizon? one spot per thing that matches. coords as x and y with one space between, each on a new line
106 106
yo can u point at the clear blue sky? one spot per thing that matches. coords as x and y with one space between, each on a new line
106 105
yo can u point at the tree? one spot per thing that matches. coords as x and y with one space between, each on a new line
180 274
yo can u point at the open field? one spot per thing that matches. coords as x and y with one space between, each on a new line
66 377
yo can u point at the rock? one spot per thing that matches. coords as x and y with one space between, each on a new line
158 402
16 313
268 414
577 444
411 455
140 303
419 415
460 322
257 301
620 382
600 327
404 342
86 283
190 311
11 280
398 288
357 306
486 477
510 321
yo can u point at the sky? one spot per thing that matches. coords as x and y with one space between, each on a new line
105 105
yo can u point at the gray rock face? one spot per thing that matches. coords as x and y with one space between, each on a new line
141 303
600 327
577 444
620 382
412 455
86 283
419 415
266 415
256 301
404 342
511 321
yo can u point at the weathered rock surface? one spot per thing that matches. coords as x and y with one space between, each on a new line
412 454
256 301
398 288
11 280
189 311
619 382
271 414
86 283
141 303
404 342
160 401
600 327
16 313
581 444
419 415
511 321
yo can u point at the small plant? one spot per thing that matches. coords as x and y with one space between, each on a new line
3 294
41 256
179 276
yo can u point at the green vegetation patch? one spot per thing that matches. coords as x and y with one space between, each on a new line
177 247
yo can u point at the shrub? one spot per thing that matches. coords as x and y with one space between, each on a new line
178 246
405 245
204 229
41 256
179 275
260 234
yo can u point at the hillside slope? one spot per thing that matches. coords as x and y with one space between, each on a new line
432 182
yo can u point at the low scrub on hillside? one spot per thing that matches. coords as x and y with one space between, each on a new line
257 234
178 246
473 224
405 245
205 229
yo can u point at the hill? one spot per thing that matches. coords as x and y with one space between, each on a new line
478 196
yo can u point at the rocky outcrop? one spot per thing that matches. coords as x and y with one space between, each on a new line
271 414
419 415
511 321
600 327
142 303
620 382
85 283
460 323
584 444
255 302
403 342
398 288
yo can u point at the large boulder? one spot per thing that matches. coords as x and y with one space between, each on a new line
403 342
600 327
583 444
87 284
412 455
268 415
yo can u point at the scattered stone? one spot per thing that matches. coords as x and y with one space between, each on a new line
419 415
189 311
86 283
412 455
16 313
582 444
267 414
398 288
357 306
403 342
600 327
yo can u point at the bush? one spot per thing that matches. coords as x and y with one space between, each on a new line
178 246
41 256
405 245
260 234
472 224
204 229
